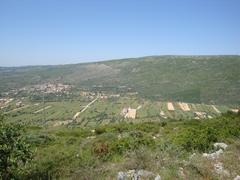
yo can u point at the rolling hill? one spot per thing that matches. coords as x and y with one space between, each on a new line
194 79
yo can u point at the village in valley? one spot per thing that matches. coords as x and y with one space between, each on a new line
124 90
56 104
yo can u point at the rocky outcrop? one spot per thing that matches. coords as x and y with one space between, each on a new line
216 154
137 175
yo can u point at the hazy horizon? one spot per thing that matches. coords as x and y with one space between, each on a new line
115 59
69 32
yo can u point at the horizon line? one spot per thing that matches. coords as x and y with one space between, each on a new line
115 59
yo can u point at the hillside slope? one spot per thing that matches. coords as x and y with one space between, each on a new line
198 79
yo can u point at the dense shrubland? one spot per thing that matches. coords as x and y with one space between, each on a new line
161 147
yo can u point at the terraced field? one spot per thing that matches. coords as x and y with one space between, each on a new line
104 111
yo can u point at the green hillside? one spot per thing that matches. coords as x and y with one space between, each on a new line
196 79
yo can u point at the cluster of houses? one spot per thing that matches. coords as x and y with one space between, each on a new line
51 88
91 95
5 101
46 88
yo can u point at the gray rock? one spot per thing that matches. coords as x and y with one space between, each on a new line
158 177
144 173
220 145
131 173
213 155
237 177
219 169
137 175
122 176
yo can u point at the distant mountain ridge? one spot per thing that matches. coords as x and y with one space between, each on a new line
198 79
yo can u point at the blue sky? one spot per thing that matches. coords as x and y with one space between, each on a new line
73 31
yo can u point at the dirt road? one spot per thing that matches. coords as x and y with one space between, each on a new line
85 108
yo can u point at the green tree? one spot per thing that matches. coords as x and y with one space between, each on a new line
14 150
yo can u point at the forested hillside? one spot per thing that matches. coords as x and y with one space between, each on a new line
197 79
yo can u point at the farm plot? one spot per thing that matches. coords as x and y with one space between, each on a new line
17 109
148 109
163 107
106 111
97 113
223 109
63 110
85 108
212 112
170 106
50 111
24 115
40 110
216 109
172 110
184 106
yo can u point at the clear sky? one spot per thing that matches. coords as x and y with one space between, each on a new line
73 31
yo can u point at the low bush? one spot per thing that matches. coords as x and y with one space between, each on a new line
40 139
149 127
75 132
100 130
100 148
200 136
197 139
132 142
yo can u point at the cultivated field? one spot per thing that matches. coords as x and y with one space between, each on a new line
103 111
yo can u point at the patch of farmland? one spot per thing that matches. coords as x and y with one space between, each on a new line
163 111
25 115
162 114
216 109
63 110
58 123
152 110
85 108
148 109
163 107
208 109
40 110
170 106
17 109
184 106
100 111
59 111
199 107
193 107
179 113
223 109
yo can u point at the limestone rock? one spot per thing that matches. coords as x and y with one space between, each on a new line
213 155
137 175
158 177
122 176
237 177
220 145
219 169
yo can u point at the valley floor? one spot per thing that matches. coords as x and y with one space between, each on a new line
99 110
